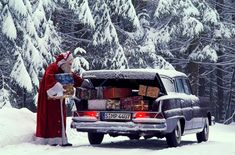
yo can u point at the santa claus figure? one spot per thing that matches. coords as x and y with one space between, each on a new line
51 108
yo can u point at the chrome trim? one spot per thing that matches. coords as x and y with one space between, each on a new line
118 126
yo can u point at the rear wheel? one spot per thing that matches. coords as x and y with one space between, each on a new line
204 135
95 138
174 138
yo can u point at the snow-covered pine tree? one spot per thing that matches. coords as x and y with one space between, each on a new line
109 53
223 81
198 35
75 22
82 11
123 14
31 35
4 93
144 53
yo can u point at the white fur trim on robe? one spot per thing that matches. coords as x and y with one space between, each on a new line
56 91
50 141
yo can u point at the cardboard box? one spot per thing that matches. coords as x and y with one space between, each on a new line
97 104
82 93
110 93
86 94
135 103
141 105
148 91
113 104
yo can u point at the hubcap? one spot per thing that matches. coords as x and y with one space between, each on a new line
178 133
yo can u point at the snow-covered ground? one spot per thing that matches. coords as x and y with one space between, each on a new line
17 128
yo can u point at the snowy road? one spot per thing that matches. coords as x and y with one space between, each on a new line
17 128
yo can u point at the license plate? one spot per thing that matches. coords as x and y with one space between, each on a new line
117 116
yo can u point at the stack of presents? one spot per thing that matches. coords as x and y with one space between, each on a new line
113 98
110 98
66 79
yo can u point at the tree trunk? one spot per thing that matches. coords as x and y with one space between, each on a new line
201 91
220 93
229 110
219 71
192 69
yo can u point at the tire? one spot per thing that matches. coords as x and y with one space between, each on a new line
95 138
134 137
204 135
173 139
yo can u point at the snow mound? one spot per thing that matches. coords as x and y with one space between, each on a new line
16 126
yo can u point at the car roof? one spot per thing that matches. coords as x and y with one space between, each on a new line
132 73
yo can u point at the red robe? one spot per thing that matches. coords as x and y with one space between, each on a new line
49 125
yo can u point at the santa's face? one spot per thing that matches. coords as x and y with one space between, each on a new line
67 66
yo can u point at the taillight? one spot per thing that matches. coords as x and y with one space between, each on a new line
87 113
148 115
90 113
141 115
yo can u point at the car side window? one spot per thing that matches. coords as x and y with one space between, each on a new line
179 85
187 87
168 84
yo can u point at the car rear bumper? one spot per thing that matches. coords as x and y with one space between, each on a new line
119 127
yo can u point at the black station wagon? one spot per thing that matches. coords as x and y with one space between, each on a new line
171 112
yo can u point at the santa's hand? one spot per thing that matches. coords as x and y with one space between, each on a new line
57 91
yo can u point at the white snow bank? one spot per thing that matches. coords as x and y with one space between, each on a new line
16 126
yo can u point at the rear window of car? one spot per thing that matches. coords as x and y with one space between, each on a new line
183 86
168 84
187 87
179 85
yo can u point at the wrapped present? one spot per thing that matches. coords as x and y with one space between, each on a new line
69 90
141 105
65 78
126 103
82 93
92 93
86 94
136 103
148 91
97 104
109 93
113 104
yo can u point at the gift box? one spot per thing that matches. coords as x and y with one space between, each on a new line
141 105
69 90
126 103
97 104
109 93
148 91
86 94
113 104
65 78
92 93
82 93
136 103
